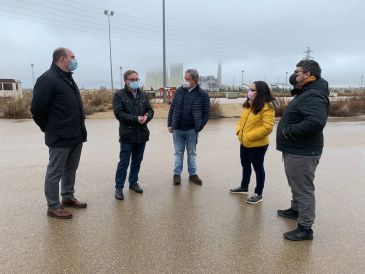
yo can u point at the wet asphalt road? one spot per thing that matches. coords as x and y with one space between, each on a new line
178 229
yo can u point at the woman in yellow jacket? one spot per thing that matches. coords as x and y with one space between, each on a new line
253 129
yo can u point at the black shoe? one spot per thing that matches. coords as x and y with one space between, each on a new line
299 234
254 199
119 194
177 179
136 188
195 179
239 190
288 213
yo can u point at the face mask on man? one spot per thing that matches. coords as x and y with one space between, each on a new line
292 79
134 85
73 65
251 95
186 84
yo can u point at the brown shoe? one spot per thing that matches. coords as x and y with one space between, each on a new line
177 179
73 203
195 179
59 213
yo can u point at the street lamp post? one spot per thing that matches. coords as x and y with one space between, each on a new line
164 52
121 76
286 81
32 66
111 13
242 78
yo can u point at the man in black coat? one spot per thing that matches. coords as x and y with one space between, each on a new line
188 114
300 138
133 111
57 109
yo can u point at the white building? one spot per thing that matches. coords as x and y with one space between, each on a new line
209 83
153 80
11 88
176 74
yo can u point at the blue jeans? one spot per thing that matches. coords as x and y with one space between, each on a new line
183 139
128 151
253 156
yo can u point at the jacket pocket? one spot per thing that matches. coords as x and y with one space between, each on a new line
63 123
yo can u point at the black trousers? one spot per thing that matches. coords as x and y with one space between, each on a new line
253 156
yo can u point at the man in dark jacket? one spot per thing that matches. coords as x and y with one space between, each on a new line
300 138
188 114
57 109
133 111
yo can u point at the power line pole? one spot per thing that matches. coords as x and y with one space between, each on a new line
307 53
242 79
32 66
164 52
286 81
111 13
121 77
361 82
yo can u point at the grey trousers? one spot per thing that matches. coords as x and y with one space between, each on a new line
63 163
300 171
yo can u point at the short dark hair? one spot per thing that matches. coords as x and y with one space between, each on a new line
311 66
58 53
127 73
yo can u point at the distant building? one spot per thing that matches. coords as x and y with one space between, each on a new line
154 80
10 88
219 75
176 74
209 83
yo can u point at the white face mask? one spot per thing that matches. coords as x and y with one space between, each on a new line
186 84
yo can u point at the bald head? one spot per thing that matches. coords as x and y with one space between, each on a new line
62 58
58 53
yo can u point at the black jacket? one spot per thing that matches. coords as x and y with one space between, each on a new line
300 130
200 109
126 110
57 108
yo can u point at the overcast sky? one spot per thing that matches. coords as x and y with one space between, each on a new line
265 38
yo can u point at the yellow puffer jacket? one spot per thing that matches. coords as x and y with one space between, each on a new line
253 129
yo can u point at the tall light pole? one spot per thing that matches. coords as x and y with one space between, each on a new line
121 77
233 84
361 82
164 52
32 66
111 13
242 79
286 81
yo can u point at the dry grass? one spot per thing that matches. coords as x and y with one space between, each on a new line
351 106
97 101
16 108
215 109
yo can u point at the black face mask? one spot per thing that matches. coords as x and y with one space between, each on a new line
292 80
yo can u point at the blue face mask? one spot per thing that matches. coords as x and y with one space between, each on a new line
73 65
134 85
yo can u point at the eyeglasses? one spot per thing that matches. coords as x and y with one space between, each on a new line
297 71
133 79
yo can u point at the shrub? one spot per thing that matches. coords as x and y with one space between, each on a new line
215 109
17 108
